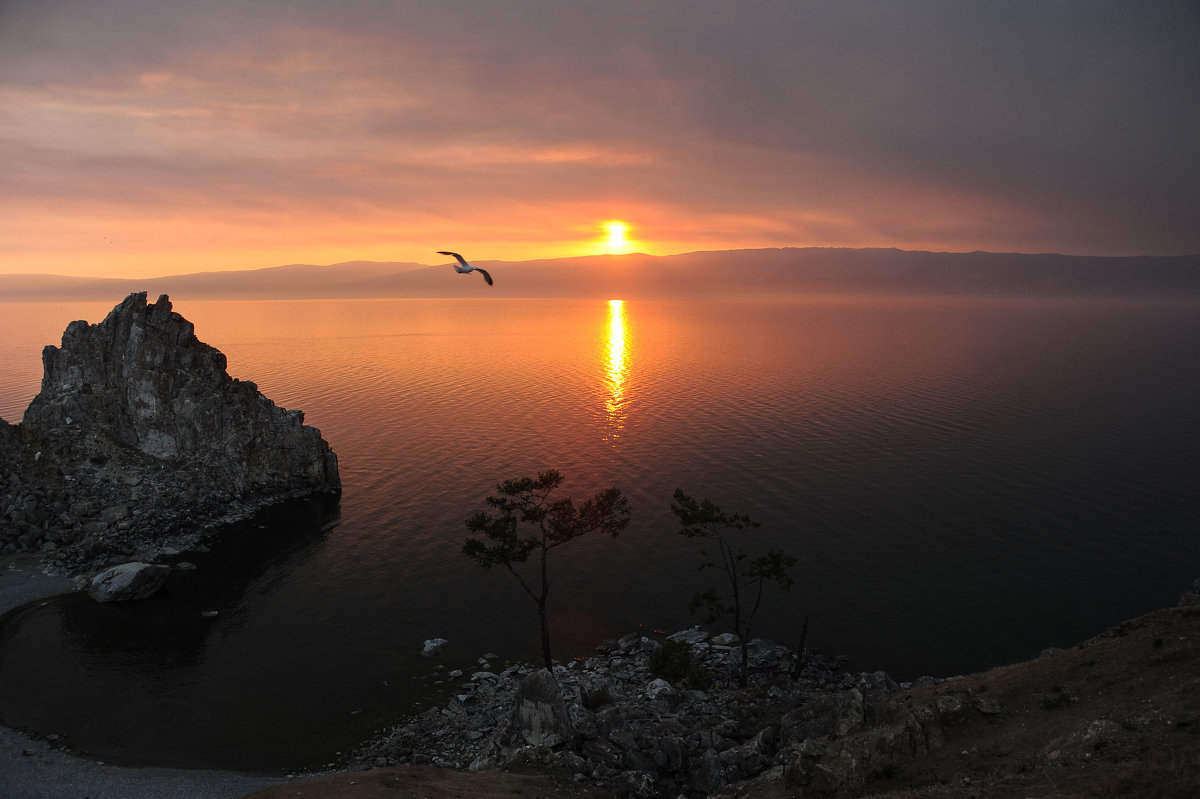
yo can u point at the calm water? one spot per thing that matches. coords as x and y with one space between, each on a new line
964 483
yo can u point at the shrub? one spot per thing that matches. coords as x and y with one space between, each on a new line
672 661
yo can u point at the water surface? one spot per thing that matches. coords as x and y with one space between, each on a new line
964 483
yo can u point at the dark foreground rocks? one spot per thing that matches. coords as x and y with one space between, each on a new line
610 722
139 440
1118 715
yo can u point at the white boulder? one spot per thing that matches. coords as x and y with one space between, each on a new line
127 582
433 645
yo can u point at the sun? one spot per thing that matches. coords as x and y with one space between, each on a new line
618 236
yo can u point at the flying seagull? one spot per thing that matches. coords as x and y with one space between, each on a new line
465 268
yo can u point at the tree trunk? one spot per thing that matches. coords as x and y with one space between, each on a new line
545 625
542 619
744 675
798 666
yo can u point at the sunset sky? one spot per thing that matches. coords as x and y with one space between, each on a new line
142 137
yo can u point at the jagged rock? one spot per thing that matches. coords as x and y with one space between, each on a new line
830 766
671 756
831 715
710 777
540 716
127 582
638 783
139 433
751 758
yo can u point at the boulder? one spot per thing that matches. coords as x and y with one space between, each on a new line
540 716
836 714
710 777
693 636
128 581
659 688
433 645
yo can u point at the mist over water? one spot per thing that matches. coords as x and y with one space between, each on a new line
964 483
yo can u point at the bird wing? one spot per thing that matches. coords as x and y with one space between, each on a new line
486 276
457 257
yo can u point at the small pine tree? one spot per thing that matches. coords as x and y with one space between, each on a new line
554 523
745 579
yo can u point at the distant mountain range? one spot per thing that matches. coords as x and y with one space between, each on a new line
728 273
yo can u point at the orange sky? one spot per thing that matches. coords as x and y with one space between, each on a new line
143 138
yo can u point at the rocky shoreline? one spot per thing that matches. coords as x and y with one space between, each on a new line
612 721
1116 715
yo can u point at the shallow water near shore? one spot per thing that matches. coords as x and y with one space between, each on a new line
964 482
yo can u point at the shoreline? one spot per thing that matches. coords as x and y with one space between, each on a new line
33 768
1028 726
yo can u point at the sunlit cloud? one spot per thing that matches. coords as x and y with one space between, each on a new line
239 136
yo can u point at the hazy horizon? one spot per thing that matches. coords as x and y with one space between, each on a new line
743 273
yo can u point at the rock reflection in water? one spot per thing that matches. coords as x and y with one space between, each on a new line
153 677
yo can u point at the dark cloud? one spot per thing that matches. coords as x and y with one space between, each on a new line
992 119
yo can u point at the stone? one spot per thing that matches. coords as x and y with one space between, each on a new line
540 716
600 723
629 640
691 636
726 639
659 689
710 777
127 582
114 514
828 715
751 758
433 645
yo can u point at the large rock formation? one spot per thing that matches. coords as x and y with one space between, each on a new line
139 434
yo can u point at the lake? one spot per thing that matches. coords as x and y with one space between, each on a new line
964 482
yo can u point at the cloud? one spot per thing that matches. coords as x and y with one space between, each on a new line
1066 125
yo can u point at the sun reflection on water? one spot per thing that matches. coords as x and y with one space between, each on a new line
616 372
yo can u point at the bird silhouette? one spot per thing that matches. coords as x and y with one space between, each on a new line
465 268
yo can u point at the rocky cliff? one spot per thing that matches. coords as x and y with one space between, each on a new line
139 436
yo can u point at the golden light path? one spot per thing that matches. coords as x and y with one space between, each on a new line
616 371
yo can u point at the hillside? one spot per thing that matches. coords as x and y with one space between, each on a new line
731 273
